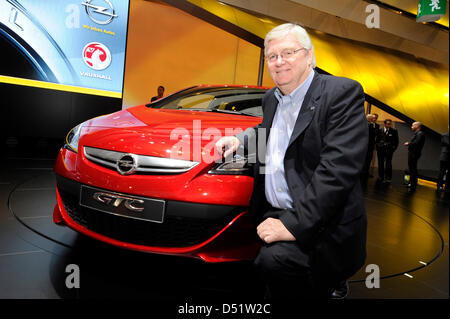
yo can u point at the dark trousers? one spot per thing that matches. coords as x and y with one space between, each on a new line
384 155
368 160
412 167
443 171
285 269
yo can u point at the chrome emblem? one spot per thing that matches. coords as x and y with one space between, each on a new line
132 204
92 9
126 165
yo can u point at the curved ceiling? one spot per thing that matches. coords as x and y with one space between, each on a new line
412 86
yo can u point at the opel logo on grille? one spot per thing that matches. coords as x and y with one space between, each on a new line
126 165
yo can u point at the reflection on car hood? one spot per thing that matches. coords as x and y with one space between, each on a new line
159 132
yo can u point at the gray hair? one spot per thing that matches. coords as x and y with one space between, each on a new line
284 30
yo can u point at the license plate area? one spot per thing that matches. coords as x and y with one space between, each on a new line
146 209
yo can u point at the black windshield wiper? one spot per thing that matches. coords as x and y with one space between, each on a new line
216 111
228 112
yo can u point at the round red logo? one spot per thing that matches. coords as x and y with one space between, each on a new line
96 55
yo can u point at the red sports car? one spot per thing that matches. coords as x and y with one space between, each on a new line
147 178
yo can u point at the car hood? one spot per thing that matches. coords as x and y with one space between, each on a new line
178 134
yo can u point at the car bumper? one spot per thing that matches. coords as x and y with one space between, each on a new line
213 233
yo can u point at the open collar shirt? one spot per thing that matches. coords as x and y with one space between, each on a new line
288 108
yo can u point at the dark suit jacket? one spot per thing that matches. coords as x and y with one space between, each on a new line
387 141
444 148
322 163
373 131
415 146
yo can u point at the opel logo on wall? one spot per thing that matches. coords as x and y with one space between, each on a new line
99 14
126 165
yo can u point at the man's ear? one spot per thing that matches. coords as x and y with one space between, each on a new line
310 56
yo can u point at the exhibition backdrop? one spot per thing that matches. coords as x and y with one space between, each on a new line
69 45
76 78
167 46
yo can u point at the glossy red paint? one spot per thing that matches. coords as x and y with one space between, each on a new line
159 132
123 132
194 186
57 218
221 247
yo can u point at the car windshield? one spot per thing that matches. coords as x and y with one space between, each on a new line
244 101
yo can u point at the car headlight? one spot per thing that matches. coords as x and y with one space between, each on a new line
239 165
73 137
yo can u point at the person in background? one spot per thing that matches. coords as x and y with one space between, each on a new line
386 144
372 164
443 169
373 128
415 146
160 94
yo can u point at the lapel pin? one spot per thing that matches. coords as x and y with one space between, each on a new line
311 108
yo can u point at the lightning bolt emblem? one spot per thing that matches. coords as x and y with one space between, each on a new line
91 8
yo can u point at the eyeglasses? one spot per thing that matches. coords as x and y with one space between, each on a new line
285 54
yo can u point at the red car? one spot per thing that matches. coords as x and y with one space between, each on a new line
147 178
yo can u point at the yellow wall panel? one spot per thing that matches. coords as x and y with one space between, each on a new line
221 9
267 80
247 63
169 47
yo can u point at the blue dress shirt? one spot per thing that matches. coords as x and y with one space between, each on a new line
276 188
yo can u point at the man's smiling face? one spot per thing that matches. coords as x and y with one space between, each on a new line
288 73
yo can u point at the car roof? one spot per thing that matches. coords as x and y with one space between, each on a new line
230 86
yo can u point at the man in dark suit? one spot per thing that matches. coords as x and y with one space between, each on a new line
444 169
373 129
415 146
307 201
387 143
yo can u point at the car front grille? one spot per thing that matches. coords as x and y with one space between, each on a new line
127 163
175 231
